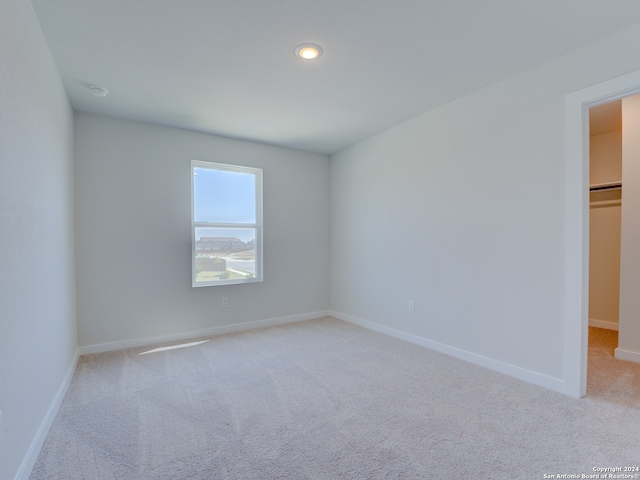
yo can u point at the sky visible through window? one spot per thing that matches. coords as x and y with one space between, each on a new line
225 197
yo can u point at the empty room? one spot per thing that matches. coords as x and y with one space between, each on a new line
303 239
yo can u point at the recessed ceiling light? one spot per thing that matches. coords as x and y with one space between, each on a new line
308 51
98 91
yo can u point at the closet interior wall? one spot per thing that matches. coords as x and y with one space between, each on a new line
605 221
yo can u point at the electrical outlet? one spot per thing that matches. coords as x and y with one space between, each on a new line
411 306
225 302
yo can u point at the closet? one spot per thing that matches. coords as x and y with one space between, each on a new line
605 214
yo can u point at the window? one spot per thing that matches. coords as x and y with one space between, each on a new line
226 224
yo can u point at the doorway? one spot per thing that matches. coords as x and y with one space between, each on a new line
605 214
577 224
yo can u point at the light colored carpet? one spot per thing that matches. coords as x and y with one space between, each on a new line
322 399
609 379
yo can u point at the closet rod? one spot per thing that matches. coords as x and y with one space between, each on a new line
605 186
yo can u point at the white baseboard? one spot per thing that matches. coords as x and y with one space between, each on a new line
593 322
29 461
627 355
208 332
502 367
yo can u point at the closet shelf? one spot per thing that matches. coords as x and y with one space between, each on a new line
597 187
606 203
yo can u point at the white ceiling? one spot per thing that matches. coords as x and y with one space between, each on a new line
228 67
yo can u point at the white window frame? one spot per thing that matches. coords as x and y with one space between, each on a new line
257 172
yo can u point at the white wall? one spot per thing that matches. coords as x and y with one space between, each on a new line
629 328
37 312
133 240
462 210
605 166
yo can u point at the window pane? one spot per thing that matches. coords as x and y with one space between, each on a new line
225 254
223 196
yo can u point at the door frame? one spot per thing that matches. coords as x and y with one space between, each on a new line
576 282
